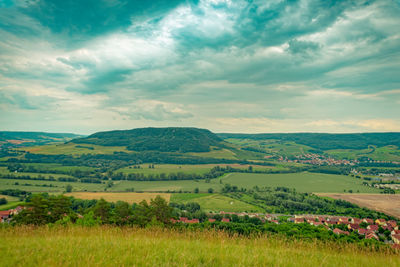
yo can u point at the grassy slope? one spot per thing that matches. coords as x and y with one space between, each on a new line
107 246
302 182
73 149
215 202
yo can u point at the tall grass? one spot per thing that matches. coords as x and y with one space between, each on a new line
113 246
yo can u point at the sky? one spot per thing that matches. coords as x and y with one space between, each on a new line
229 66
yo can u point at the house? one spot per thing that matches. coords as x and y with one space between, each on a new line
4 215
392 224
395 232
225 220
211 220
343 220
380 221
332 220
193 221
274 221
362 231
183 219
371 235
340 232
353 226
396 246
356 220
368 220
299 220
316 223
396 239
373 227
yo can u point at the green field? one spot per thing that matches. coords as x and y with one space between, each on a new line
38 185
386 153
115 246
302 182
215 202
73 149
192 169
4 170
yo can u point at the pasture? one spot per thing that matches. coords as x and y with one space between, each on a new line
389 204
73 149
48 186
302 182
114 197
189 169
216 202
116 246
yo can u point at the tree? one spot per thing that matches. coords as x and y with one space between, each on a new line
210 190
160 209
68 188
3 201
122 211
102 210
196 190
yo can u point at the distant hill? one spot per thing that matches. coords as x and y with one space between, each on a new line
326 141
19 139
171 139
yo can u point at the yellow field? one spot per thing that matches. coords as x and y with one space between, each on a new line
123 246
114 197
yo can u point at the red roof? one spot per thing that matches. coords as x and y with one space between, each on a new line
225 220
362 231
211 220
5 213
373 227
338 232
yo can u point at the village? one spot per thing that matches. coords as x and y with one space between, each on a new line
380 229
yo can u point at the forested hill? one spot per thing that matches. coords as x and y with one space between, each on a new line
16 139
326 141
172 139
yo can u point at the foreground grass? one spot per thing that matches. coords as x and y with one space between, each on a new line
113 246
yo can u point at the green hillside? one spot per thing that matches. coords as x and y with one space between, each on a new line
18 139
325 141
172 139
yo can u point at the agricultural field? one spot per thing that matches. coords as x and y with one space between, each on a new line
114 197
158 186
389 204
115 246
215 202
4 170
48 186
185 168
302 182
12 202
73 149
386 153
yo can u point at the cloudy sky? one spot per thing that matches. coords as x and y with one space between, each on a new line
230 66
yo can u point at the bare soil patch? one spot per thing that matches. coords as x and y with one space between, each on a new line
389 204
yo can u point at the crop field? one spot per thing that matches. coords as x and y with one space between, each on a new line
215 202
157 186
44 186
4 170
389 204
192 169
302 182
115 246
386 153
73 149
114 197
218 154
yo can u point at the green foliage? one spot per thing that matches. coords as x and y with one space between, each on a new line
3 201
324 141
68 188
156 139
89 219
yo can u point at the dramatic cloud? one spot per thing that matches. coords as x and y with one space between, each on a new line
230 66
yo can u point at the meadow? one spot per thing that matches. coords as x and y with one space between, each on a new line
302 182
186 168
115 246
114 197
215 202
72 149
